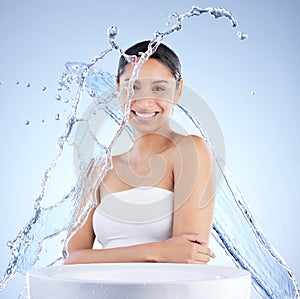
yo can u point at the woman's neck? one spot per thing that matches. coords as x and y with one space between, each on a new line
148 144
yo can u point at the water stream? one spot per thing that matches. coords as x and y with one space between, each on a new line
234 226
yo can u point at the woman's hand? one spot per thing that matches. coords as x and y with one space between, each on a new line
186 248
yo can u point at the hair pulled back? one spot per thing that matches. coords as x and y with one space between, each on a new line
163 53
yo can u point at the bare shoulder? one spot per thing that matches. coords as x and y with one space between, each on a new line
191 139
193 144
117 158
120 160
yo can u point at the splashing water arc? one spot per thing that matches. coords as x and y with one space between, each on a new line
234 226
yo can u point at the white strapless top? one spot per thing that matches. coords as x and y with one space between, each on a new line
135 216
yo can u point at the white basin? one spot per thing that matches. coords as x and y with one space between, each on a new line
138 281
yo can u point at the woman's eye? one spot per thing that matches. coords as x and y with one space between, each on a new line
135 87
158 88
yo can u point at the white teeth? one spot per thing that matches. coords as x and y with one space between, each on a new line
145 115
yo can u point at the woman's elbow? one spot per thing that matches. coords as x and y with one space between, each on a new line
71 258
68 261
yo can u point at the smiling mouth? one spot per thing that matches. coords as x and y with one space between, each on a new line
143 115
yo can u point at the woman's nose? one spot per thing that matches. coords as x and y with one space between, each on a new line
145 102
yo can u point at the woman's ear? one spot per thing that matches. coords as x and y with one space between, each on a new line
178 90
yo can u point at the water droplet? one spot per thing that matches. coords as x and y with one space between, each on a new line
28 85
17 82
43 120
27 122
57 117
66 100
112 32
44 88
1 82
9 244
252 92
242 35
58 97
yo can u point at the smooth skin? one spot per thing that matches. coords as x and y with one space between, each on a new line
162 158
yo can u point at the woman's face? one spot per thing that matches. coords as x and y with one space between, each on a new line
155 93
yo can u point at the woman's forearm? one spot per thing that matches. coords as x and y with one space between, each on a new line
185 248
147 252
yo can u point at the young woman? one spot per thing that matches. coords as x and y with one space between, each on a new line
156 204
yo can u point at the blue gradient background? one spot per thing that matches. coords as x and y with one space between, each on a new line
261 131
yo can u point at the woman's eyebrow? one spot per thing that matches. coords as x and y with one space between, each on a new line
161 81
153 82
136 81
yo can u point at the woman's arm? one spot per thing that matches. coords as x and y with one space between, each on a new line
194 181
194 191
80 249
129 254
180 249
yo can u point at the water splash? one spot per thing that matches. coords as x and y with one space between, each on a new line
234 226
242 35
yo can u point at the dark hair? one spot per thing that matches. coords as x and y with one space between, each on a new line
163 53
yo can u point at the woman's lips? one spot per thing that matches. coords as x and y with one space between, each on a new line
144 115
